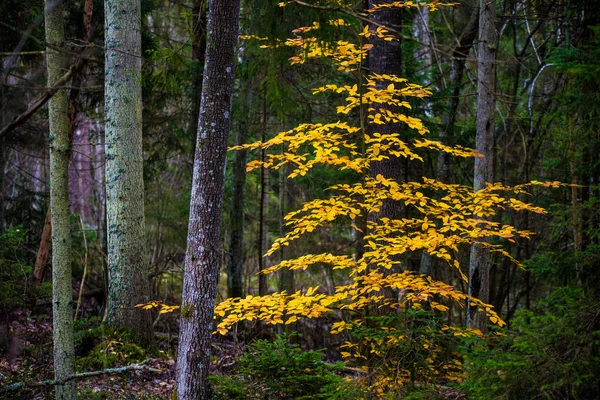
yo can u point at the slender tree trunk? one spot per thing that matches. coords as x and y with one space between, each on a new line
263 231
480 262
62 309
576 219
198 53
127 264
423 51
235 284
203 252
385 57
41 258
459 58
3 152
286 202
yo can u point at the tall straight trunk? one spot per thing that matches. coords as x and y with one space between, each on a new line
62 310
423 53
127 264
480 261
202 262
386 58
235 284
3 152
198 53
459 58
576 219
286 202
263 232
3 160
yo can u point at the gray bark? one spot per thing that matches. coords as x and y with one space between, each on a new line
127 264
459 58
480 261
202 262
62 309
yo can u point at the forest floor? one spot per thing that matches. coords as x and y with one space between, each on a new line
30 361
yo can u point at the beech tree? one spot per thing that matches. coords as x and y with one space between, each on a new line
202 260
128 281
62 309
443 219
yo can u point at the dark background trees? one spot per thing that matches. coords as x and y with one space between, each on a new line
541 113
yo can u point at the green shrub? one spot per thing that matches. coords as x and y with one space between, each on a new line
553 353
100 346
280 370
15 272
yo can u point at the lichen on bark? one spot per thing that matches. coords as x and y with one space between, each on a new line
62 309
127 264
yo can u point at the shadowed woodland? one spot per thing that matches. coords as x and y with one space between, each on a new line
320 199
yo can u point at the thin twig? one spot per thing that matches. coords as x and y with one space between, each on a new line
85 262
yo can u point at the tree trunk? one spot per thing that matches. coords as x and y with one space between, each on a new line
263 231
41 258
286 202
62 310
3 152
385 57
480 262
203 253
127 264
423 53
198 53
235 284
459 58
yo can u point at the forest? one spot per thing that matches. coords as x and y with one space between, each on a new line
299 199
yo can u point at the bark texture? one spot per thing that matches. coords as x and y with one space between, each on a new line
202 262
127 264
62 309
386 58
480 262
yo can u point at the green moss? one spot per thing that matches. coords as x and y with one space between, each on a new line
187 310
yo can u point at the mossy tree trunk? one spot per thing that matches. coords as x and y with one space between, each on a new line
128 272
480 261
202 262
62 309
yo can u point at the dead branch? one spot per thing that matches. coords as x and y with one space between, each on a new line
51 382
21 119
